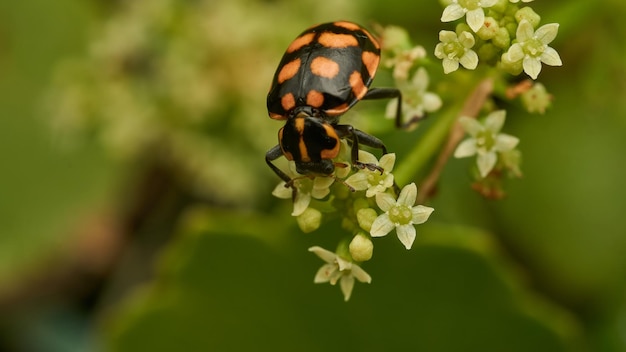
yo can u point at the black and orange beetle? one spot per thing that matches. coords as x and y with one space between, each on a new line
324 72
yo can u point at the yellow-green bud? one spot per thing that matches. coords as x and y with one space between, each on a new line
501 39
366 217
528 14
536 99
309 220
489 29
361 247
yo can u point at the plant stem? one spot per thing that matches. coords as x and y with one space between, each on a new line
471 107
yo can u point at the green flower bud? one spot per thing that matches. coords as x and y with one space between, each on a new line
462 27
309 220
360 203
536 99
361 247
366 217
488 52
489 29
501 39
528 14
512 67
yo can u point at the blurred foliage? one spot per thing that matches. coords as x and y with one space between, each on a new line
182 84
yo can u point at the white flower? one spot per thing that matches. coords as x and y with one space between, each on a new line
338 269
373 181
307 187
471 9
516 1
485 141
404 60
416 101
317 187
532 47
455 49
400 214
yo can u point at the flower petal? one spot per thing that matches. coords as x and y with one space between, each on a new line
343 264
346 284
381 226
495 120
465 148
406 235
432 102
452 12
551 57
408 194
515 53
486 162
387 161
469 60
301 202
367 157
385 201
532 66
374 190
450 65
421 213
325 273
470 125
547 32
325 255
282 192
467 39
420 79
360 274
390 110
524 31
487 3
358 181
505 142
475 18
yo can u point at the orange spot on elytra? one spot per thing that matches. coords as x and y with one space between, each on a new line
370 60
301 41
347 25
324 67
289 70
334 40
288 101
314 98
358 87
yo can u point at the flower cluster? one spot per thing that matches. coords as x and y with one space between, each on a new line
486 141
499 33
372 209
411 78
505 35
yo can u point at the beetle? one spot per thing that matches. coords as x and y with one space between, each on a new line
324 72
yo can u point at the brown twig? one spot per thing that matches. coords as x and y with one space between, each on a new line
472 106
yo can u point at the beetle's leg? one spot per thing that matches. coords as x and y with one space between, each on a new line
388 93
357 136
272 155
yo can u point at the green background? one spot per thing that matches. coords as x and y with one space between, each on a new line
542 270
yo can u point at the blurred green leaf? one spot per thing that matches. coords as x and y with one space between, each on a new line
229 289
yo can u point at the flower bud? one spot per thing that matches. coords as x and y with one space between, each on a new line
528 14
309 220
536 99
366 217
361 247
501 39
489 29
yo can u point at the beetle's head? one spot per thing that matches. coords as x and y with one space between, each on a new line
311 143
